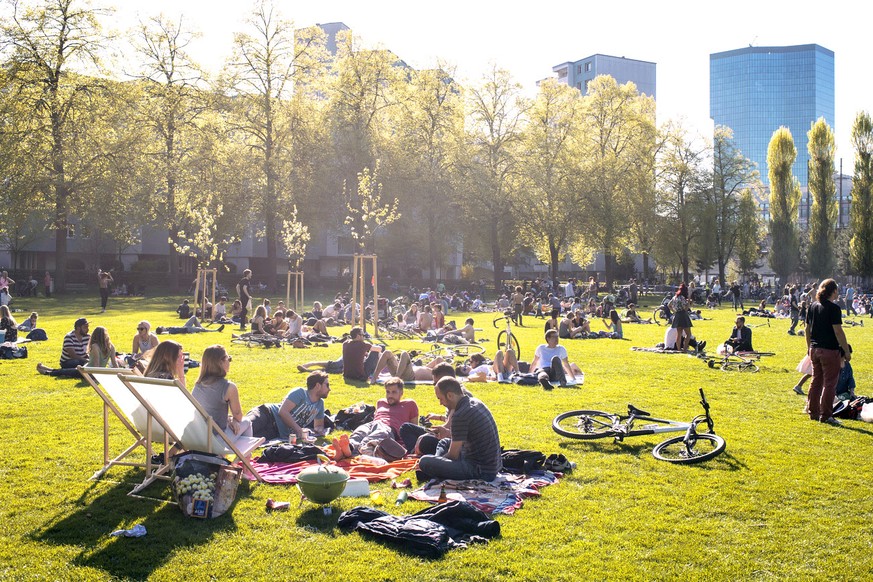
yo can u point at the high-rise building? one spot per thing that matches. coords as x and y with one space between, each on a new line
755 90
579 73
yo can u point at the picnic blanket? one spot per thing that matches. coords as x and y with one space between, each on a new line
504 494
658 350
357 468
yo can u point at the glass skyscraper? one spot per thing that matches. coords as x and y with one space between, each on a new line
756 90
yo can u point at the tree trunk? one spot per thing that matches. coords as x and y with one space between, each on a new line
496 255
609 268
553 259
645 266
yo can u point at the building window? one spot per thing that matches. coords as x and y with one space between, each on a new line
346 245
71 230
579 69
588 67
585 92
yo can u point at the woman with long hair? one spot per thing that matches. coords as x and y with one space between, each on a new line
167 361
680 308
826 345
101 352
8 323
218 395
144 340
614 324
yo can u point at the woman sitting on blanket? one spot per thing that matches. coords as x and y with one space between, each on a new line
219 396
166 361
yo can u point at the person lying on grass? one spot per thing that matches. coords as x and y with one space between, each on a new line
402 366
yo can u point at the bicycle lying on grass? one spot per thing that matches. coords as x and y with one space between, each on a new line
450 351
736 361
693 447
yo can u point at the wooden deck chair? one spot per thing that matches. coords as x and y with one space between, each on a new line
187 422
120 401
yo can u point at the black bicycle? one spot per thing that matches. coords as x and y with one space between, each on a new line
506 339
694 447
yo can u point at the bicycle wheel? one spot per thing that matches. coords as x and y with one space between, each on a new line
706 446
513 342
585 424
466 350
658 316
739 367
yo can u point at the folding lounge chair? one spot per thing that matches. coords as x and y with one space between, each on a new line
186 422
120 401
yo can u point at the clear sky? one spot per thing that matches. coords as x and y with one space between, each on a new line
528 38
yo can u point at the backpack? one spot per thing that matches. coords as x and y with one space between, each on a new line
8 352
37 335
522 461
850 409
390 450
354 416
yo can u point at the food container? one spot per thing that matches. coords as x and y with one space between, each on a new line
322 484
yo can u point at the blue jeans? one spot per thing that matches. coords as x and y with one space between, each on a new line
439 467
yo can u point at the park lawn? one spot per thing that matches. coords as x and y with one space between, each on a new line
789 499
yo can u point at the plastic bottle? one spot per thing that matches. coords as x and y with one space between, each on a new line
443 498
402 497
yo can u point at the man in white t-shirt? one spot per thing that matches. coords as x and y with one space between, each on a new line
551 363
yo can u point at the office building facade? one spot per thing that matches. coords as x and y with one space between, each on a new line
756 90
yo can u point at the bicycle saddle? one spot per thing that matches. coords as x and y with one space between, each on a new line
633 410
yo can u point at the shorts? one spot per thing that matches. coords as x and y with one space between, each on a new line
334 367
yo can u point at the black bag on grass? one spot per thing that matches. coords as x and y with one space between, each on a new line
287 453
354 416
522 461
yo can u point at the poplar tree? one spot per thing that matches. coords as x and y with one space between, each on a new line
784 199
861 215
822 190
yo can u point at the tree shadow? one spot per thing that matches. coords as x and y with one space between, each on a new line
101 511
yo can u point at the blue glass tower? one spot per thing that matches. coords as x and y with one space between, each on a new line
756 90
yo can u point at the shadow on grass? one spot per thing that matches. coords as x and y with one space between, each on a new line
314 519
607 446
96 517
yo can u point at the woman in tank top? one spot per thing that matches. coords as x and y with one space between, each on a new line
218 396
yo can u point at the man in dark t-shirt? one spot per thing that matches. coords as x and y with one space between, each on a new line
359 356
473 451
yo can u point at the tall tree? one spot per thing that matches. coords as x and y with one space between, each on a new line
496 112
784 198
681 183
749 223
619 137
861 215
266 64
822 190
732 172
170 109
430 133
52 50
546 190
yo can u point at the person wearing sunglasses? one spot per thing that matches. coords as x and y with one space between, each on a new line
143 341
218 395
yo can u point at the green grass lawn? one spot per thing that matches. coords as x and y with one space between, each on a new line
789 499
